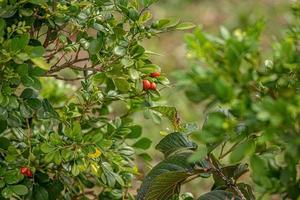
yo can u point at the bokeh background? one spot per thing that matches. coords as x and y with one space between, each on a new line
209 14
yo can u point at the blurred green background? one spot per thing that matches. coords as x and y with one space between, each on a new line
210 14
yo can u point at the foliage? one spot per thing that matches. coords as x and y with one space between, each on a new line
252 105
64 65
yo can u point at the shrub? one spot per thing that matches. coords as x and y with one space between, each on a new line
64 65
252 103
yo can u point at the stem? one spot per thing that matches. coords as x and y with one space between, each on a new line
222 149
229 182
227 152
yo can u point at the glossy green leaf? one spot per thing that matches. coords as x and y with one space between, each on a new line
122 84
40 193
175 142
143 143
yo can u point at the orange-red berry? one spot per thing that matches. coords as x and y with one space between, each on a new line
155 74
29 173
26 171
23 170
153 86
146 84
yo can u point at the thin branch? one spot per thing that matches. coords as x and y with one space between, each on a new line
227 152
229 182
69 64
63 78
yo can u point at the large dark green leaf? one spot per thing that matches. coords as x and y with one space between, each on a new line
166 186
218 195
164 180
174 142
40 193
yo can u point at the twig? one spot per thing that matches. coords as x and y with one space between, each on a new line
229 182
227 152
63 78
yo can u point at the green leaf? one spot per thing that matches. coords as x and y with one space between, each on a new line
258 165
2 26
7 193
49 157
3 125
120 51
13 176
185 26
134 74
4 143
19 43
8 11
143 143
27 93
170 113
150 68
168 176
242 150
35 51
175 142
40 193
34 103
166 186
200 154
19 189
95 46
136 132
122 84
41 62
54 190
219 195
145 17
246 190
74 132
2 184
47 148
39 2
57 158
75 170
147 3
99 78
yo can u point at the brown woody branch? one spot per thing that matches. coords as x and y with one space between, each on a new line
229 182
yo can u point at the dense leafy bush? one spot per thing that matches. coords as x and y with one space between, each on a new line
64 65
252 102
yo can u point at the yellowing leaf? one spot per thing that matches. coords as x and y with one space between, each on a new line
96 154
40 62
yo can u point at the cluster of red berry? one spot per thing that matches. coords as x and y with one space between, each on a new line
147 85
26 171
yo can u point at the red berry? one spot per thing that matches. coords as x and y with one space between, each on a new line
26 171
146 84
29 173
155 74
23 170
152 86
